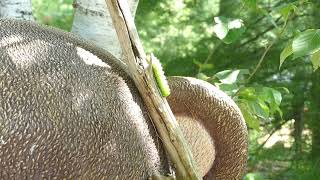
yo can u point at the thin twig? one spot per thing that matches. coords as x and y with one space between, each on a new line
210 55
278 127
266 51
260 34
157 106
260 61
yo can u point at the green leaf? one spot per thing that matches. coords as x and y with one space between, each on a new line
286 10
253 176
306 43
315 59
228 30
263 101
236 29
284 89
279 111
277 97
231 76
260 108
250 119
272 97
269 95
252 4
202 76
221 27
248 93
206 66
286 52
228 76
229 89
233 35
199 64
203 66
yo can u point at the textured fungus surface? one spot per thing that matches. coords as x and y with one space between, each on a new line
67 110
222 119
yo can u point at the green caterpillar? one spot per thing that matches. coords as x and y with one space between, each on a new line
159 75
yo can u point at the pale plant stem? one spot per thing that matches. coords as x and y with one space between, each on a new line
158 108
265 52
210 55
260 61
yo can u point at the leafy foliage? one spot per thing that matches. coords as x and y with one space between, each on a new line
228 30
54 13
306 43
236 46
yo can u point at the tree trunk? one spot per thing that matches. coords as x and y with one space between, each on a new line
93 22
315 98
301 87
315 115
16 9
298 126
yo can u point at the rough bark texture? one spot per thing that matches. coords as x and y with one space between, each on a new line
16 9
92 22
67 110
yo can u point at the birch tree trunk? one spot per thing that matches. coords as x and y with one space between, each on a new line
16 9
93 22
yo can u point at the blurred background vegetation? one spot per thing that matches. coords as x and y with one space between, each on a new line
238 46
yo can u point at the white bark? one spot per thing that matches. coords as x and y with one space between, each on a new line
16 9
93 22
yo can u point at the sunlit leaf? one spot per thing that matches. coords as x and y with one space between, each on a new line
207 66
228 30
276 96
286 52
260 108
269 95
250 119
263 101
284 89
221 27
228 76
306 43
315 59
231 76
202 76
253 176
233 35
248 93
229 89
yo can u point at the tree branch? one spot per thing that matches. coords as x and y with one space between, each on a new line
278 127
157 106
259 34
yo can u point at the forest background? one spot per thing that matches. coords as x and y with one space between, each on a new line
265 54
